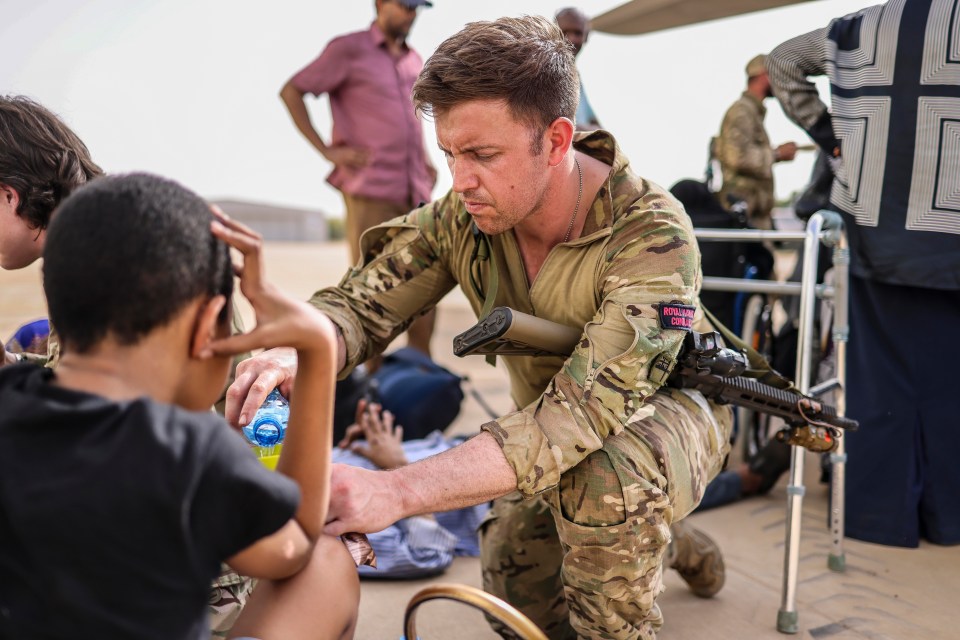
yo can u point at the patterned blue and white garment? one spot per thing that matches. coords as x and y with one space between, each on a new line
894 73
893 133
418 547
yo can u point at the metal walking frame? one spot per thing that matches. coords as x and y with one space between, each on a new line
826 227
492 606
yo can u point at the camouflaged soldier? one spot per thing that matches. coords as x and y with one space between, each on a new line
41 162
744 150
600 460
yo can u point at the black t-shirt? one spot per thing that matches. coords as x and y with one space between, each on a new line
114 517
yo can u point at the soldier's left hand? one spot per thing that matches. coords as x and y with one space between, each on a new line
361 500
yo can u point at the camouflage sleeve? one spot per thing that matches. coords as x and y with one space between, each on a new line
52 359
603 385
402 275
789 66
739 146
40 359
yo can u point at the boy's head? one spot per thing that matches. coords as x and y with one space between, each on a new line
129 254
41 162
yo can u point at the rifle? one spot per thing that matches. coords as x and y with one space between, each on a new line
706 365
506 331
703 364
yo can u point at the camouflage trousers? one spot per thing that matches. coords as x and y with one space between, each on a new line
584 559
228 594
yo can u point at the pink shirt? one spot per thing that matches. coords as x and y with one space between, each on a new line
370 98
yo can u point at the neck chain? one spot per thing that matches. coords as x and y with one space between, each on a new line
576 209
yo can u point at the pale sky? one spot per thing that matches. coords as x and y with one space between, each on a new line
188 88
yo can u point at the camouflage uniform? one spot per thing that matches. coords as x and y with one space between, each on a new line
227 596
52 357
746 157
604 462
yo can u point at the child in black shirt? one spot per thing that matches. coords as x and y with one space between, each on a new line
120 493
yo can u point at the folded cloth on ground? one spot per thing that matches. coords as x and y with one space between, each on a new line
421 546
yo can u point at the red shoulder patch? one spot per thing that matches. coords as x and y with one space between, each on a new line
674 315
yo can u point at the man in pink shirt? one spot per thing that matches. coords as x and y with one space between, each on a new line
380 164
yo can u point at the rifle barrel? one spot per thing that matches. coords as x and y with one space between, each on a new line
753 394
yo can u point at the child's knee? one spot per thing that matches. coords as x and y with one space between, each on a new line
334 554
335 565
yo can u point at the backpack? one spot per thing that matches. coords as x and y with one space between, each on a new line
723 259
422 395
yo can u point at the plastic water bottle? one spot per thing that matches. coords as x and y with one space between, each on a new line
269 424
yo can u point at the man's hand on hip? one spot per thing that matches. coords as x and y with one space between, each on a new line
347 157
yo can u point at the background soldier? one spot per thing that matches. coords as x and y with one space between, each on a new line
41 162
744 150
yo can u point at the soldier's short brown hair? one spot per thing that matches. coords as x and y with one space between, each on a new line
40 158
523 61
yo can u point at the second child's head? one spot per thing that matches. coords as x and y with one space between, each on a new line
41 162
131 257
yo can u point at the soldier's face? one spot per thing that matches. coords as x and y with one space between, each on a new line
19 244
499 179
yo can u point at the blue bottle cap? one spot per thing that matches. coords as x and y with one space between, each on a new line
268 431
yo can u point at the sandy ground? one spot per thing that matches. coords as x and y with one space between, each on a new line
885 593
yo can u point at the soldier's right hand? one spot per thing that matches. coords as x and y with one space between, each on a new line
256 378
347 157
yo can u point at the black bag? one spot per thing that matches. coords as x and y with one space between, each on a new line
423 396
721 259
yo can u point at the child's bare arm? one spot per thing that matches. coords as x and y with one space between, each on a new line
277 556
285 321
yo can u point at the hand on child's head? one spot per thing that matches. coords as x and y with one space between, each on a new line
281 320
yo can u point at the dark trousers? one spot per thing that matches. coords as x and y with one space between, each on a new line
903 470
724 489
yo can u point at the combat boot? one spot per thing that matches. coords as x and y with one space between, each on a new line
697 559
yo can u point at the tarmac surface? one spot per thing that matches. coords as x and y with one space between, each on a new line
885 593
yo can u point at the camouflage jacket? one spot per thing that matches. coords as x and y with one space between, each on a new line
746 156
636 251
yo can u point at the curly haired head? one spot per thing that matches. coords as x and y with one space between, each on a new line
125 254
40 158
